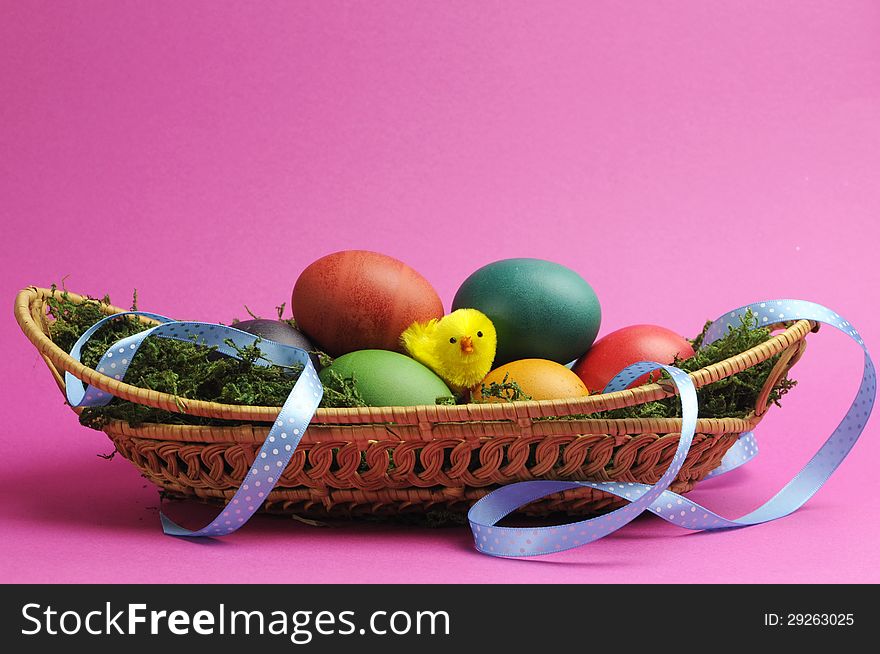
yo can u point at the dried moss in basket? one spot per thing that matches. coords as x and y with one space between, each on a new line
509 391
732 397
183 369
189 371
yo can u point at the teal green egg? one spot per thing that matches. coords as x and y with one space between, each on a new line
385 378
541 309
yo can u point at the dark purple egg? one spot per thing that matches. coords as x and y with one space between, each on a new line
280 332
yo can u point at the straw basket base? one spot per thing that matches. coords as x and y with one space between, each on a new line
213 472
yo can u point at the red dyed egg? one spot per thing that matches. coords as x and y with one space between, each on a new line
359 300
614 352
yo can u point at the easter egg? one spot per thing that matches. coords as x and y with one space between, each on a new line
540 309
538 378
385 378
613 352
279 331
359 300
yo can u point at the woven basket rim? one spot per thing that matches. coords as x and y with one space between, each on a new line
28 305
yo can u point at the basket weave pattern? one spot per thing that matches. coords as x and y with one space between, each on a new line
388 460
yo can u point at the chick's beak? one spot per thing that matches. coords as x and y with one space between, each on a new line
467 345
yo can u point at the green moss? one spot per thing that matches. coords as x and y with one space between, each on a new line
732 397
179 368
340 392
509 391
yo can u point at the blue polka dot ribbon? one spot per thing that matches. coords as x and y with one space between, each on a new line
516 542
283 437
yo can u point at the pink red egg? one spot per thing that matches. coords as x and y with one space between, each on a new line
359 300
614 352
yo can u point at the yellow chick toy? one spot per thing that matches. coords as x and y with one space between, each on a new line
459 347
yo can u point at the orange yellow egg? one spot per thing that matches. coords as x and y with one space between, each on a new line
540 379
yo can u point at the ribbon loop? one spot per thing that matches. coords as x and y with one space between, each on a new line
674 508
513 541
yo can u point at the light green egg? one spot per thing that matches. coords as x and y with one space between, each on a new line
385 378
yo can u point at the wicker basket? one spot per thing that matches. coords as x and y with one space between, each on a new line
445 457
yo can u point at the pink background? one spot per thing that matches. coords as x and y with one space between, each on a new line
685 158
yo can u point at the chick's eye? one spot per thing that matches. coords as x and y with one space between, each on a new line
479 334
452 340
